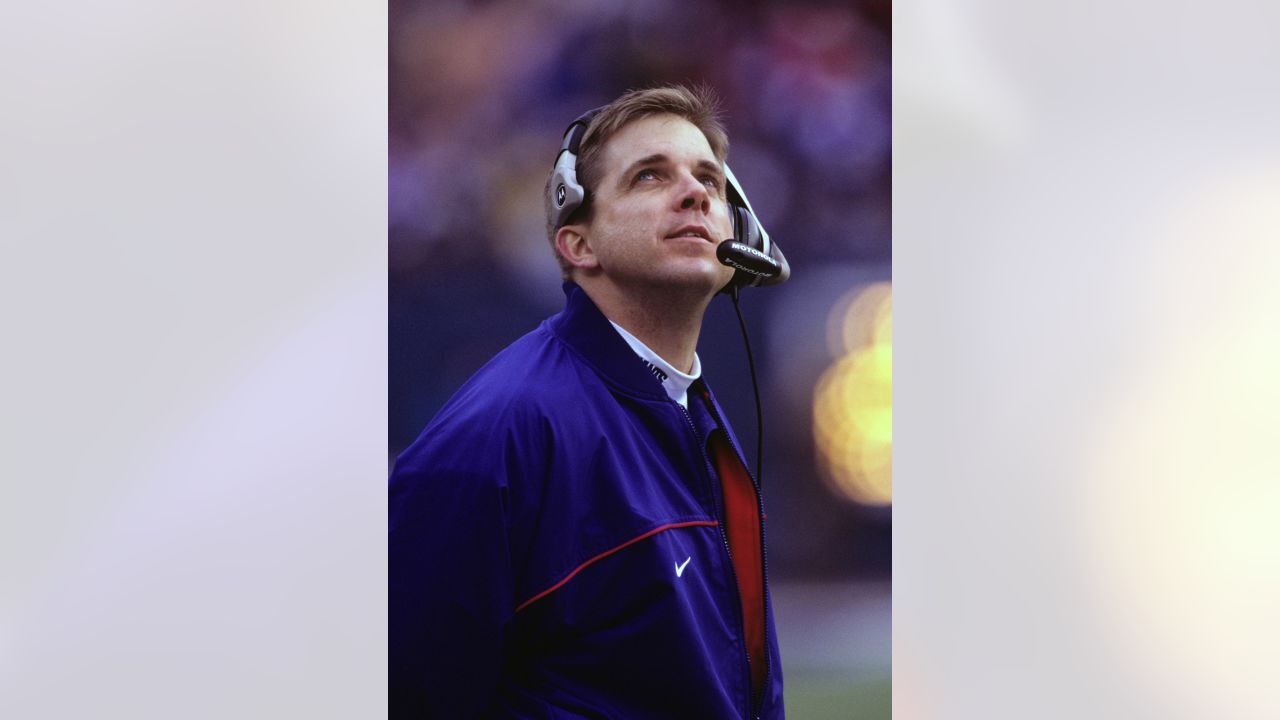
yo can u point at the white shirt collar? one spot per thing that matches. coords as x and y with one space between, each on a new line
674 382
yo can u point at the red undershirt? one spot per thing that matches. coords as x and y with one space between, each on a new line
742 527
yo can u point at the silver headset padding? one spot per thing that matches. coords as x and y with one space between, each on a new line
567 194
758 239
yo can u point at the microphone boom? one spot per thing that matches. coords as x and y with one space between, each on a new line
747 259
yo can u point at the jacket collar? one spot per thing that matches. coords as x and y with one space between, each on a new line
584 328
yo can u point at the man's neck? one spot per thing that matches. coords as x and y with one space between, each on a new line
668 322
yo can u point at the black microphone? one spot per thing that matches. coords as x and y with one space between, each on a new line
747 259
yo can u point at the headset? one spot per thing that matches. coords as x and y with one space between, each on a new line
756 259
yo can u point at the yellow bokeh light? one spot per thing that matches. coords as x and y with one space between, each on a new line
853 402
859 317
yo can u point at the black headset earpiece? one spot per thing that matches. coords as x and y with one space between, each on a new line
745 228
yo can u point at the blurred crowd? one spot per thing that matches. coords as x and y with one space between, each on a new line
480 94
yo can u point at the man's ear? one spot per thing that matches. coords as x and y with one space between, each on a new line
575 248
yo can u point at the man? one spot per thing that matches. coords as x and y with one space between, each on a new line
575 534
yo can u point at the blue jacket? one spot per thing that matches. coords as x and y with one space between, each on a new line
557 549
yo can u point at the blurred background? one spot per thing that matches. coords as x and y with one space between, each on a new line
479 96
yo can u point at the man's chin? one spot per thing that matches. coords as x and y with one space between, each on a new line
707 277
689 276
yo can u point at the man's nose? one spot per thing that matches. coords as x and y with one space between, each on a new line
694 194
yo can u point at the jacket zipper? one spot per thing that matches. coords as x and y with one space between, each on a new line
752 710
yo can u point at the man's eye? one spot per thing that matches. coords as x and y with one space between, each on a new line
712 182
646 175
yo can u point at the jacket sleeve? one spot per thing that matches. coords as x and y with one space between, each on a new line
450 587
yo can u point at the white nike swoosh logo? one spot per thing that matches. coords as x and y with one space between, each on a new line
680 567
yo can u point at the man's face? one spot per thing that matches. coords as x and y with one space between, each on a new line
659 209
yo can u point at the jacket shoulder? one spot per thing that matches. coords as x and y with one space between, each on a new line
520 396
529 378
